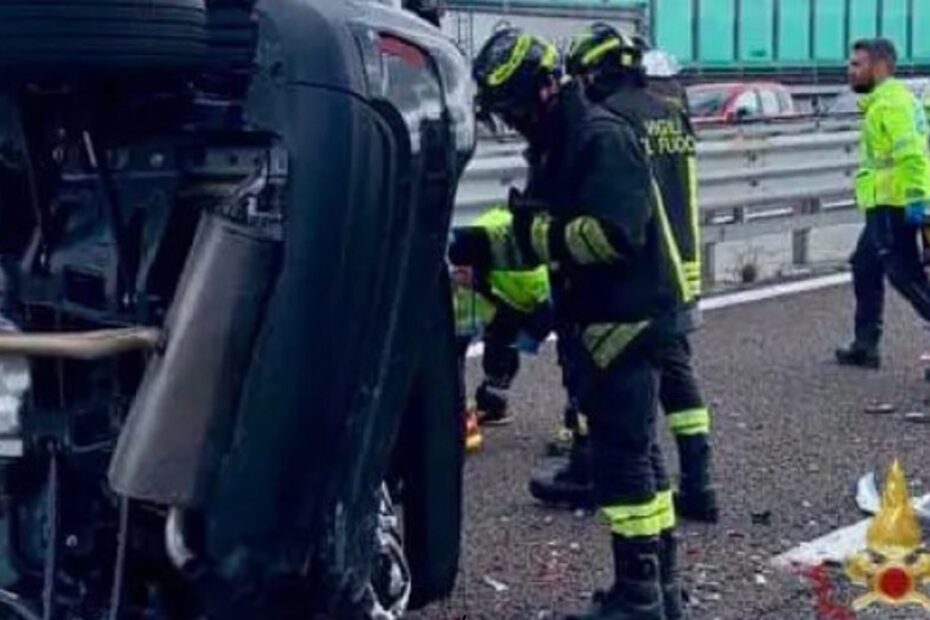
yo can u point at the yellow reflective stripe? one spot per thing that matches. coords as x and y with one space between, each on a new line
582 429
693 275
578 44
694 206
577 245
668 515
606 341
596 53
690 422
669 236
588 243
539 237
592 230
550 57
495 217
517 56
649 519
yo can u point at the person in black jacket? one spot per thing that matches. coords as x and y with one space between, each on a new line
430 10
610 65
592 212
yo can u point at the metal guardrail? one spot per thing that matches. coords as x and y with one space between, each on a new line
749 184
801 124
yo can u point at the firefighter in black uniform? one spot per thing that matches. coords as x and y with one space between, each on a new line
592 212
430 10
610 66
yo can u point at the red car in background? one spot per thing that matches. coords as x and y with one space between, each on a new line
739 101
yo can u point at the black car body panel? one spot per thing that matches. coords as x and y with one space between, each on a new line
376 138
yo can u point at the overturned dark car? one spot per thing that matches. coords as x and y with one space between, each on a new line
227 375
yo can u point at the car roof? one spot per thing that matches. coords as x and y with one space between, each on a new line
735 85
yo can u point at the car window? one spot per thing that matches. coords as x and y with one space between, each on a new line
707 101
785 103
770 103
748 101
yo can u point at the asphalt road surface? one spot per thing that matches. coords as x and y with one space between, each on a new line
791 439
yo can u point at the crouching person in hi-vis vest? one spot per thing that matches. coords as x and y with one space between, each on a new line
510 311
591 213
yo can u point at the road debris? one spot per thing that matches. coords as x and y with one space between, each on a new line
876 408
917 417
498 586
867 494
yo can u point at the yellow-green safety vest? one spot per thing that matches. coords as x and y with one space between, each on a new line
894 151
523 290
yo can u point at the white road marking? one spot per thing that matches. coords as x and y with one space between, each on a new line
729 300
839 545
835 547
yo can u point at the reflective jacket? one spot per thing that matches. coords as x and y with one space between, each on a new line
525 291
604 233
671 144
895 160
522 290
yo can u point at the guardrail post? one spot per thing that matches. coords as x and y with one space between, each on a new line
800 247
709 264
801 237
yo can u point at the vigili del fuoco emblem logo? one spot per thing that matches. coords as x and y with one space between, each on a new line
895 566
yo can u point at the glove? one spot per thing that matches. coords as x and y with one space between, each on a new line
470 247
916 213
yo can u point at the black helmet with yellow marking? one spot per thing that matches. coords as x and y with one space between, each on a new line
602 47
510 70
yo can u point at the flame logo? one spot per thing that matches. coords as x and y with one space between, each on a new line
895 564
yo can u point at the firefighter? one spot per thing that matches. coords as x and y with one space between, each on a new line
429 10
893 189
591 212
512 311
610 66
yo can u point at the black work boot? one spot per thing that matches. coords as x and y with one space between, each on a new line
636 593
672 593
491 403
859 354
696 499
566 480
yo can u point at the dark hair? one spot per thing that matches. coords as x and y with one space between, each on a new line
878 50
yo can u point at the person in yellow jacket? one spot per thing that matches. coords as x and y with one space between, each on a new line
893 189
510 311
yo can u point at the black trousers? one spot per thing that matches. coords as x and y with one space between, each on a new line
630 479
679 390
888 247
501 359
